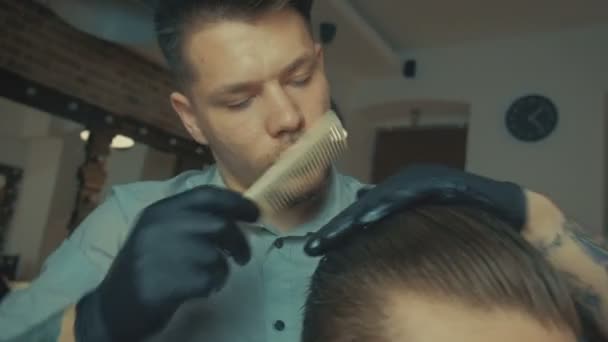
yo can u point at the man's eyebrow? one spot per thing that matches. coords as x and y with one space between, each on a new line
298 62
245 86
233 89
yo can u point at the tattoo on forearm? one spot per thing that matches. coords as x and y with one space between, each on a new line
590 303
548 248
584 295
598 253
589 306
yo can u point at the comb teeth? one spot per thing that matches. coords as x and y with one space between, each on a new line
288 178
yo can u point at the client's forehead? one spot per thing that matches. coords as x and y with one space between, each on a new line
421 318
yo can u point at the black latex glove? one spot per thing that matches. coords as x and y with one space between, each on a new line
177 250
417 185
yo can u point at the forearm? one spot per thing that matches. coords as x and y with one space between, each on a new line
583 262
67 326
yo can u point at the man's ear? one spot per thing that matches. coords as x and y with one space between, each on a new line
187 114
320 55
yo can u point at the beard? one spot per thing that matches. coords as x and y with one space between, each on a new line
300 186
312 189
272 158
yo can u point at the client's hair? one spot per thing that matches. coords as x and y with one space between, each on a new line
458 253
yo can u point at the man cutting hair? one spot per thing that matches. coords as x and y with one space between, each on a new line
189 259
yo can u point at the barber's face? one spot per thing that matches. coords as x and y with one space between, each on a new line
259 85
424 319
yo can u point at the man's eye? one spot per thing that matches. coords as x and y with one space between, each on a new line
301 81
240 105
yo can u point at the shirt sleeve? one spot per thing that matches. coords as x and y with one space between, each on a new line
71 271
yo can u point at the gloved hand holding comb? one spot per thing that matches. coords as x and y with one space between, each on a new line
178 250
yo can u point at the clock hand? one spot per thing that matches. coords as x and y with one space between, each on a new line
534 120
536 113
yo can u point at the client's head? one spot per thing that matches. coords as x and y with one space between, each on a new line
438 274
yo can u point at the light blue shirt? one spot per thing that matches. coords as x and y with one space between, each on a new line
261 302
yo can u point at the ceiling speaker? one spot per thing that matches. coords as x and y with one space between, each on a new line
327 32
409 68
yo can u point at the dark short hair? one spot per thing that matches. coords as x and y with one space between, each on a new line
174 19
459 253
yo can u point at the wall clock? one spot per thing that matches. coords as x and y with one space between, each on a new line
532 118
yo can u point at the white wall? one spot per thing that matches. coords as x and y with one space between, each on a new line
66 187
12 144
605 221
158 165
12 151
568 66
25 143
34 203
124 166
50 151
137 164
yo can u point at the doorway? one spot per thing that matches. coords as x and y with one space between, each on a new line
396 148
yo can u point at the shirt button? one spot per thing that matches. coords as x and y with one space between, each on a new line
279 325
278 243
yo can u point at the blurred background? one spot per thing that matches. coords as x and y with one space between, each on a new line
514 90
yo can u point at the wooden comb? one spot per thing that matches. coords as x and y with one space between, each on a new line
290 176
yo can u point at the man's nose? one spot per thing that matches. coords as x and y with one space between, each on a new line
284 115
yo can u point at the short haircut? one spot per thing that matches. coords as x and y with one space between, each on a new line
458 253
176 19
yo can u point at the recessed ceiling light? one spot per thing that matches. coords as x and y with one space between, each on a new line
119 142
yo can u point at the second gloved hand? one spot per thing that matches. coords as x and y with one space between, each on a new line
177 250
416 185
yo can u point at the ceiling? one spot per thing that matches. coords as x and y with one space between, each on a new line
423 23
390 26
125 22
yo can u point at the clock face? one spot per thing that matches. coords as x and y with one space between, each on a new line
532 118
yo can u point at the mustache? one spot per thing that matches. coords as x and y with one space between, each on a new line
291 139
286 143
